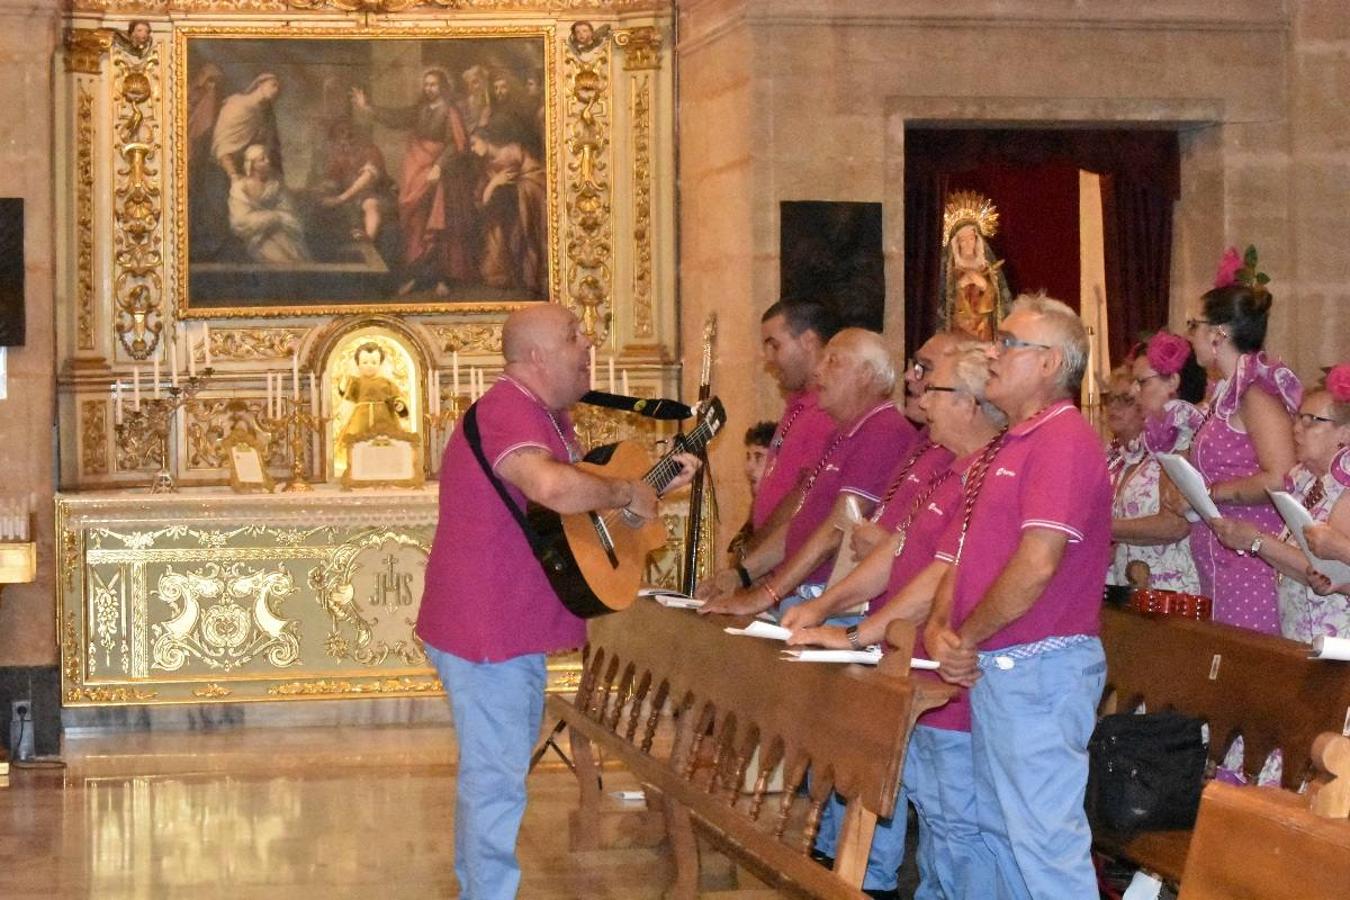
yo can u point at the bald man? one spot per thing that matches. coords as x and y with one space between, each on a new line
488 615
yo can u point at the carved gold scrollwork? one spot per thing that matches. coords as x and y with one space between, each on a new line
211 691
329 686
253 343
137 280
85 48
643 46
644 325
589 246
454 338
138 438
210 421
365 6
225 616
94 437
368 630
84 219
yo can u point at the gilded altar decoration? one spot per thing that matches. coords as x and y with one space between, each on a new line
140 440
371 383
642 45
472 338
84 218
370 589
321 171
210 423
94 437
223 617
589 243
250 344
974 291
137 255
380 7
644 325
340 687
85 48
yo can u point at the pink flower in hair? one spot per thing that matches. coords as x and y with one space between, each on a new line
1167 353
1338 382
1228 268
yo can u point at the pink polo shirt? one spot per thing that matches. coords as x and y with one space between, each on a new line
855 461
486 597
800 439
1049 473
941 504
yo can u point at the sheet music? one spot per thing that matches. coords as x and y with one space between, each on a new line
762 630
1191 484
1297 518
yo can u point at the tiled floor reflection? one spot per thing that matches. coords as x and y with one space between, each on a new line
304 813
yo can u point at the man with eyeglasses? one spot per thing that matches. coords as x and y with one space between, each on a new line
1017 617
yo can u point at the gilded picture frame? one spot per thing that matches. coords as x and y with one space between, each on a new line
332 171
383 459
246 455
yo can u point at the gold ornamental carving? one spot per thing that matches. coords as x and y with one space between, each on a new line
85 48
84 219
328 687
469 338
211 421
373 628
137 257
211 691
138 441
164 7
644 322
642 45
94 437
252 343
224 617
589 243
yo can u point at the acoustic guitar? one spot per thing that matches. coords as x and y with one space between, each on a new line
595 561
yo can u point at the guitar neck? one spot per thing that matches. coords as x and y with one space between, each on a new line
665 470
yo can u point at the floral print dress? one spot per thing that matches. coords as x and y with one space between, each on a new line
1304 614
1242 587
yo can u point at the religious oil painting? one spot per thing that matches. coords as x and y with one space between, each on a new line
321 172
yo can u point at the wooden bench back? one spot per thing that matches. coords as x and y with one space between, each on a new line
849 723
1239 681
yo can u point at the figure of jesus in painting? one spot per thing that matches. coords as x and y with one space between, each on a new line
974 290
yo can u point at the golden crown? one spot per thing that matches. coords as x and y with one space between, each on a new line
969 208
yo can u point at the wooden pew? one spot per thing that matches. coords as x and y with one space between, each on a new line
733 695
1263 687
1269 844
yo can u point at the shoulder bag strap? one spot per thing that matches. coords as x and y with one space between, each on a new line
476 445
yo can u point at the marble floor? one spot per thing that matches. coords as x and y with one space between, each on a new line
279 813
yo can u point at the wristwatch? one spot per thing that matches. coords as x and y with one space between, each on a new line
851 632
1255 548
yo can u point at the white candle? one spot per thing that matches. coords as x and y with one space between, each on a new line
295 377
173 363
626 391
192 357
482 382
431 391
159 391
136 387
592 367
206 343
325 401
612 385
117 403
313 395
454 362
267 395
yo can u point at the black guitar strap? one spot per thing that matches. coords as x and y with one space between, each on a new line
476 445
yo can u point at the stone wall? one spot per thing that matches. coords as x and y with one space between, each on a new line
797 100
28 38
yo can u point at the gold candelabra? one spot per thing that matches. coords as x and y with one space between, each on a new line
296 422
440 425
145 427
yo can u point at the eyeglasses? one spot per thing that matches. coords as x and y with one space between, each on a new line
943 388
1005 341
1192 324
916 368
1307 420
1140 382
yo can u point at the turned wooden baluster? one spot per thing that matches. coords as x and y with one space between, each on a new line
704 722
821 789
587 683
768 762
724 738
654 718
793 777
742 764
601 709
621 696
635 711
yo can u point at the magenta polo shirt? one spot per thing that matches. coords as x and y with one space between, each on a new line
1049 473
798 441
855 461
486 597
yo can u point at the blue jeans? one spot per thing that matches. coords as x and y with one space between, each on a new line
1031 720
810 592
497 708
954 862
888 842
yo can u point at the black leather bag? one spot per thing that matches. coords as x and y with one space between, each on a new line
1146 771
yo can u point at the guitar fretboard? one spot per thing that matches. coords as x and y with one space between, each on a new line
665 470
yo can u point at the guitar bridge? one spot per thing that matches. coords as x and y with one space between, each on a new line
606 540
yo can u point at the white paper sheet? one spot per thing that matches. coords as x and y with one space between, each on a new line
1326 647
671 599
1190 482
1297 518
762 630
868 657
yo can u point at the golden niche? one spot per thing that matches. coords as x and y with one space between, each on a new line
372 381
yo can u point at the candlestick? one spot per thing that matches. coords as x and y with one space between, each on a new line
295 377
173 363
192 357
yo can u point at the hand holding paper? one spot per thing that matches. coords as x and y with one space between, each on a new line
1297 518
1191 484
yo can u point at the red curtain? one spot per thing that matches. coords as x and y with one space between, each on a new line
1032 177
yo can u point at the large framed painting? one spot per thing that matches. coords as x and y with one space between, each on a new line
331 171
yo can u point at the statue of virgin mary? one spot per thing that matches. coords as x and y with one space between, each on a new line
975 294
